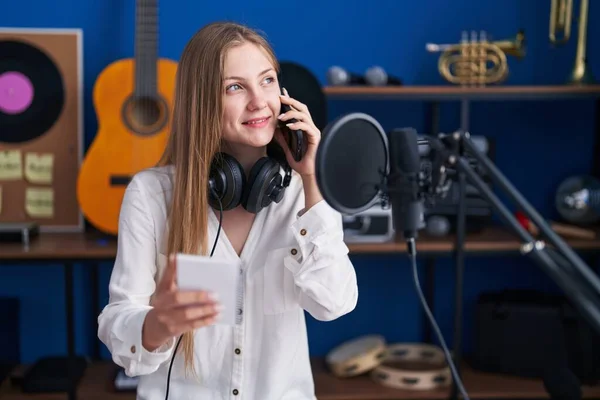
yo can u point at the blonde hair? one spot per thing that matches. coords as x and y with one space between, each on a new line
195 137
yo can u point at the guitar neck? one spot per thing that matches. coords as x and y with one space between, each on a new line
146 47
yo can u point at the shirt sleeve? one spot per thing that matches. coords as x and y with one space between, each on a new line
322 270
132 283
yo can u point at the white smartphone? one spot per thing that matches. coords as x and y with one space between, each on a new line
216 275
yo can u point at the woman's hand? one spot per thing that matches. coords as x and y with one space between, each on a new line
300 112
175 312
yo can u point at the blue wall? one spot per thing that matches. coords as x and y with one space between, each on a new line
393 33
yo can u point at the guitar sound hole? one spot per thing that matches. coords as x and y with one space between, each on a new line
145 115
145 111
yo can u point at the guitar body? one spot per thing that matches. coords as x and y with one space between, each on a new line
132 135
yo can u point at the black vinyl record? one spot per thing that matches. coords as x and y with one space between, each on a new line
32 92
303 86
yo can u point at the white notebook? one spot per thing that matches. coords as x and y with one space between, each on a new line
216 275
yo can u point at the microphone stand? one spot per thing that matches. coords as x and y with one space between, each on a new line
561 263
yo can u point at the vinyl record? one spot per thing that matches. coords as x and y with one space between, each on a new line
32 92
305 87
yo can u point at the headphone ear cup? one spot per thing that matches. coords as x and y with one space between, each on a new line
228 182
263 177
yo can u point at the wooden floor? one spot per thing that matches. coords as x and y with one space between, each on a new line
97 385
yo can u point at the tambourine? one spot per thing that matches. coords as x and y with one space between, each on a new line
408 366
413 366
356 356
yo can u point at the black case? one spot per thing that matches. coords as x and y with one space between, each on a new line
529 334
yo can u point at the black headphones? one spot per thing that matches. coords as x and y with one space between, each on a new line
265 183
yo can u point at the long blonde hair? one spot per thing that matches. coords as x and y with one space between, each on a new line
195 137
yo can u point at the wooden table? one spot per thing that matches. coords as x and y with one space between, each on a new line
91 249
65 249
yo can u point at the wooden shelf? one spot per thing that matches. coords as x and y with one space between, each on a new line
494 239
467 93
97 385
79 246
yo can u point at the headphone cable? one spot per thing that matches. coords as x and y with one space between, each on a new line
211 254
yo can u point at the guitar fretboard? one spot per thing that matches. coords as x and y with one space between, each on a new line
146 47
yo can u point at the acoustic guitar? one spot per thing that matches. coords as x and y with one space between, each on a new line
133 103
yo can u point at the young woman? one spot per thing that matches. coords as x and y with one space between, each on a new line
291 252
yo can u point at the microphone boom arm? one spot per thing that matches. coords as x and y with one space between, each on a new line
569 272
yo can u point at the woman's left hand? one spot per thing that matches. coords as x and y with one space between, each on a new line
300 112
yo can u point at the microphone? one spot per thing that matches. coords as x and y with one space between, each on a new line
403 184
357 168
338 76
376 76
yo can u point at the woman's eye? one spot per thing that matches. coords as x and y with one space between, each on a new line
230 87
269 79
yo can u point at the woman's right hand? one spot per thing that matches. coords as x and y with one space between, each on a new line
175 312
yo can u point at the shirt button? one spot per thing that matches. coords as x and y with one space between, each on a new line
303 232
294 252
132 349
235 392
239 311
237 351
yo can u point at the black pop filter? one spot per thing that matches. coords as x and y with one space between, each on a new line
352 162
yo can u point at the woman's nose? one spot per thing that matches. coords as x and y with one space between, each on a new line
257 101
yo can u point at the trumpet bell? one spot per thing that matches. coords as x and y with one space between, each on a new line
561 14
515 47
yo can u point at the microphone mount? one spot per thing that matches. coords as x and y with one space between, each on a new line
559 261
428 185
387 172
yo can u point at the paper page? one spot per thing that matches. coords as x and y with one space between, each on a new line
39 202
39 167
216 275
11 167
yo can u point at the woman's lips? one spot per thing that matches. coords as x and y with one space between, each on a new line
257 122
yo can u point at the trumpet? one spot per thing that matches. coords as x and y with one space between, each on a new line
477 61
561 14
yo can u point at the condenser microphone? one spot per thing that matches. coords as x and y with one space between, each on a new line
358 165
376 76
338 76
356 168
403 183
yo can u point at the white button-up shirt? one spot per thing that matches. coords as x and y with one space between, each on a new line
291 262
